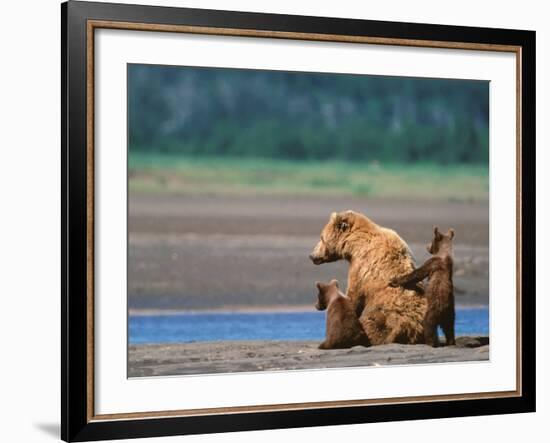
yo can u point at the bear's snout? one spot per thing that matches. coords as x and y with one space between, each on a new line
319 306
318 254
315 259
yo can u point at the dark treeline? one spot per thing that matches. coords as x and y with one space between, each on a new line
288 115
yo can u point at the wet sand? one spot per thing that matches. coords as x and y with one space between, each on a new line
252 356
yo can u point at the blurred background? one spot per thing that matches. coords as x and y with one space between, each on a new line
307 116
233 173
279 130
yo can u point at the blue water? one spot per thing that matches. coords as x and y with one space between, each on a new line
196 327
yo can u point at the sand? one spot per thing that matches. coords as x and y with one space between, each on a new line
253 356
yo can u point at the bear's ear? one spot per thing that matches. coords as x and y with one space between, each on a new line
319 285
340 221
342 225
437 234
334 282
343 222
451 233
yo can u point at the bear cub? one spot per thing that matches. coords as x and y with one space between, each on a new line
439 290
343 327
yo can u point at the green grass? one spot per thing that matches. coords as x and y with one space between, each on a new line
175 174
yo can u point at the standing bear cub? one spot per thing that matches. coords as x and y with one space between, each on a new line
439 291
343 327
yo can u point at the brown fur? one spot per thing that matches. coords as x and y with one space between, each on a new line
343 327
375 255
439 292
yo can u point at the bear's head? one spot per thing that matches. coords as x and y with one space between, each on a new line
333 237
326 293
442 244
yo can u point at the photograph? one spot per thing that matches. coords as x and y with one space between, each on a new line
278 221
286 220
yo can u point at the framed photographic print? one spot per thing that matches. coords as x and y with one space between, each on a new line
275 221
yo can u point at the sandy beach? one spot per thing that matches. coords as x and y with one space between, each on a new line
252 356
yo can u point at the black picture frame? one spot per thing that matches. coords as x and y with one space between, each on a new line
77 424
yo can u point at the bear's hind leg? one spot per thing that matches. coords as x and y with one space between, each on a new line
430 329
361 339
448 327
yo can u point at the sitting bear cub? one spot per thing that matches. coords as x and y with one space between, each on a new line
343 327
439 291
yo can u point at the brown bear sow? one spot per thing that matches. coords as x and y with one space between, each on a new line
439 292
343 327
375 254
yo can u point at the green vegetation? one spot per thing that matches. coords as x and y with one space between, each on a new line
162 173
217 130
238 113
